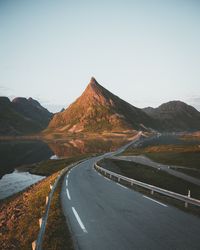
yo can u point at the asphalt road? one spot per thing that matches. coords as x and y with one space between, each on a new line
103 215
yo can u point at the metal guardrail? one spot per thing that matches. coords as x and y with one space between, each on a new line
184 198
38 242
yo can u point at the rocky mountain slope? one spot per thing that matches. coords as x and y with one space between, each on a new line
22 116
175 116
98 110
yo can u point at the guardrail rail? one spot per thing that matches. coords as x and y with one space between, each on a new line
184 198
37 245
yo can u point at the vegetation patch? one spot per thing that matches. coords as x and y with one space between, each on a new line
176 155
19 216
57 235
49 167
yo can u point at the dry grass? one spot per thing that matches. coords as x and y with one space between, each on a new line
57 235
19 216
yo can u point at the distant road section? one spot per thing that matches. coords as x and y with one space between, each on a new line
148 162
104 215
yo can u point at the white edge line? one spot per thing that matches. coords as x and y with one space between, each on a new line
106 178
79 220
162 204
121 185
68 195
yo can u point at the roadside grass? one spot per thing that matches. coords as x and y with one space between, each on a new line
20 213
48 167
57 235
19 216
192 172
186 159
147 175
151 176
175 155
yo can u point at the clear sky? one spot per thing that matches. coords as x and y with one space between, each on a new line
146 52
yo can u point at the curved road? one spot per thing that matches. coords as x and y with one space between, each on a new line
142 159
103 215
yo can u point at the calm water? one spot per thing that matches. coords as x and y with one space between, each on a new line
15 182
14 154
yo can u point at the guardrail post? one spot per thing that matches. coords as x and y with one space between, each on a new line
118 179
47 198
34 245
40 222
152 192
186 205
189 193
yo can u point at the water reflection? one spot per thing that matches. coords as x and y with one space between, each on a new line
17 153
15 182
79 146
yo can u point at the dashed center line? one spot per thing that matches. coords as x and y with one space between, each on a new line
68 195
66 182
121 185
160 203
79 220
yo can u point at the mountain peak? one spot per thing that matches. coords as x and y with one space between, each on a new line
93 88
93 84
93 81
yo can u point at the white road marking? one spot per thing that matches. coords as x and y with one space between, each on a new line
106 178
121 185
154 201
68 195
67 176
66 182
99 174
79 220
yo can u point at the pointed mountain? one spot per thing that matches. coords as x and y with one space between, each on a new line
176 116
98 110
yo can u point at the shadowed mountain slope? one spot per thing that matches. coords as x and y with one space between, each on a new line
22 116
176 116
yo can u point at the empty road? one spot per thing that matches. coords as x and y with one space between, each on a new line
104 215
142 159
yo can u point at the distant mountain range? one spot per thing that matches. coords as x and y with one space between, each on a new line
175 116
97 110
22 116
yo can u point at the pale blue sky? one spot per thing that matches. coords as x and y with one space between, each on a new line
146 52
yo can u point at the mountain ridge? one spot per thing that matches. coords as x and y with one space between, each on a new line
22 116
175 116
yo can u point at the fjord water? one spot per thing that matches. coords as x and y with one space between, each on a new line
14 154
16 181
